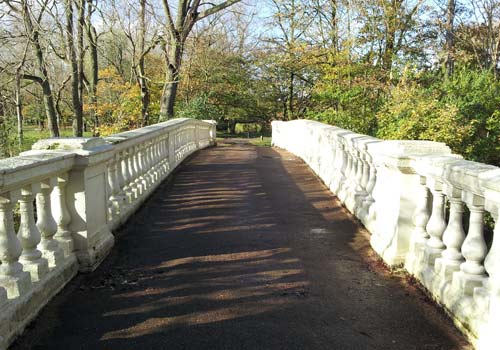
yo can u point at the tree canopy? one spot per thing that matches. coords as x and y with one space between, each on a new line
413 69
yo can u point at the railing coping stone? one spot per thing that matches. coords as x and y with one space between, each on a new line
87 150
400 154
363 142
19 171
490 179
69 143
138 134
435 166
410 148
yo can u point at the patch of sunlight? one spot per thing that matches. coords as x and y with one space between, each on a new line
225 295
225 257
161 324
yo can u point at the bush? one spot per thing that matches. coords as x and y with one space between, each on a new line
414 113
198 108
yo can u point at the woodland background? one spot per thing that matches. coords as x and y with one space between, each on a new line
395 69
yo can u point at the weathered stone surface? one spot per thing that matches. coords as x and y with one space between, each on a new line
69 143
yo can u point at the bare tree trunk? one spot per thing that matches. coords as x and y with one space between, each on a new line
18 98
77 73
43 80
171 79
50 109
177 31
169 93
58 99
141 76
94 67
71 54
19 108
450 39
334 35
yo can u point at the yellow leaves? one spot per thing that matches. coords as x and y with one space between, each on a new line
118 103
413 113
105 130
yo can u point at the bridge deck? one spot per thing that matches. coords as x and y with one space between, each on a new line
245 249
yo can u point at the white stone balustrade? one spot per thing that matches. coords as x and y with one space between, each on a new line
425 209
83 189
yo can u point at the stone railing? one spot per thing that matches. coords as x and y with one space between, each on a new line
68 195
425 209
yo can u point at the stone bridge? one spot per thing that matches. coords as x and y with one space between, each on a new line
242 247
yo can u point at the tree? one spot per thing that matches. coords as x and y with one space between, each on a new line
93 76
75 56
176 32
135 24
450 37
32 25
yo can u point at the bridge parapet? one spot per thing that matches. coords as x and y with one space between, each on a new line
425 209
68 195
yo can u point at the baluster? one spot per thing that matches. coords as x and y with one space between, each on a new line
372 178
437 223
165 155
114 199
12 277
147 159
160 158
131 170
178 143
151 166
344 187
435 227
156 160
142 168
487 297
472 271
359 173
348 168
350 200
162 154
127 190
62 216
47 225
419 236
338 179
28 234
168 149
365 176
120 181
492 261
366 200
453 238
180 146
137 171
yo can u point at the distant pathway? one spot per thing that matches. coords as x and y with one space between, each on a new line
244 249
